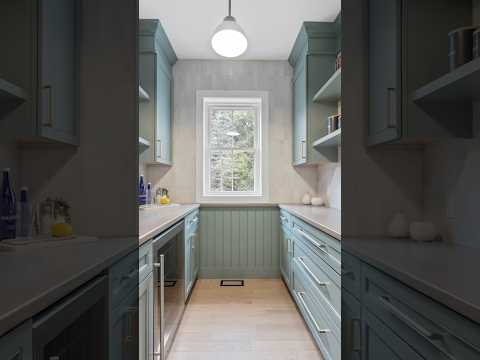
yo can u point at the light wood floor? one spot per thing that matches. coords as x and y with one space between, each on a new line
256 322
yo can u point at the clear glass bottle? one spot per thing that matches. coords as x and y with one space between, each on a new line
8 208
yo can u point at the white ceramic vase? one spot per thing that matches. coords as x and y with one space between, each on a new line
317 201
423 231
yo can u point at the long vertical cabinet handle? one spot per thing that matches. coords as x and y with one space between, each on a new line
356 340
303 149
49 122
392 108
159 152
162 308
301 295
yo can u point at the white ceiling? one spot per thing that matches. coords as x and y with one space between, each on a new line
271 26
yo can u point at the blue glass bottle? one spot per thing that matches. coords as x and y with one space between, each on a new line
8 208
142 192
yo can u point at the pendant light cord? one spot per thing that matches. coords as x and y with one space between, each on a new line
229 7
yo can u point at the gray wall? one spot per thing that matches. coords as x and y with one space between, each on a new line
99 178
377 182
286 183
452 182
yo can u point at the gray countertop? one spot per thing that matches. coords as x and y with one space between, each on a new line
326 219
444 272
155 220
35 277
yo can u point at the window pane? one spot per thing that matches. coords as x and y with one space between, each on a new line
220 124
232 170
244 126
243 172
232 128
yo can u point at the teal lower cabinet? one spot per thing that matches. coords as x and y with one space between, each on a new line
145 318
123 343
192 254
380 342
17 344
398 322
286 254
310 266
317 313
351 328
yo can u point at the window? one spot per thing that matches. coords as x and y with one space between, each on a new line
232 147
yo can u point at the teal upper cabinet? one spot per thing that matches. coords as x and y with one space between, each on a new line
313 60
45 49
385 82
156 60
408 48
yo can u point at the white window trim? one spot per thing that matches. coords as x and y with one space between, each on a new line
249 97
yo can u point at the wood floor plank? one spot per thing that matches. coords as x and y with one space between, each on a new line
258 321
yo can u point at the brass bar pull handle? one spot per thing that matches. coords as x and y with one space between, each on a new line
303 145
159 154
391 108
414 325
310 272
49 122
310 315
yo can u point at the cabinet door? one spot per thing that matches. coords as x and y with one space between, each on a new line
351 328
188 264
195 255
385 49
145 318
17 344
123 335
300 115
380 343
286 255
57 117
163 118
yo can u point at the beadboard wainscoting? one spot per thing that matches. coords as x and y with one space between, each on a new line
239 242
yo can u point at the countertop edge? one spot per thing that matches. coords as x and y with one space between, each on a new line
142 239
319 226
454 303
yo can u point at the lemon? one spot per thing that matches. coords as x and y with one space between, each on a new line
164 200
61 230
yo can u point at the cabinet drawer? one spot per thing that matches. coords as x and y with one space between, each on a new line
351 268
325 246
286 219
144 260
123 277
325 333
326 280
432 329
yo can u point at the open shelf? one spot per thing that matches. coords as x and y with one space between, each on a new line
11 93
331 140
460 85
11 96
143 144
143 95
332 90
449 99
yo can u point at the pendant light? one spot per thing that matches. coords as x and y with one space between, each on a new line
228 40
